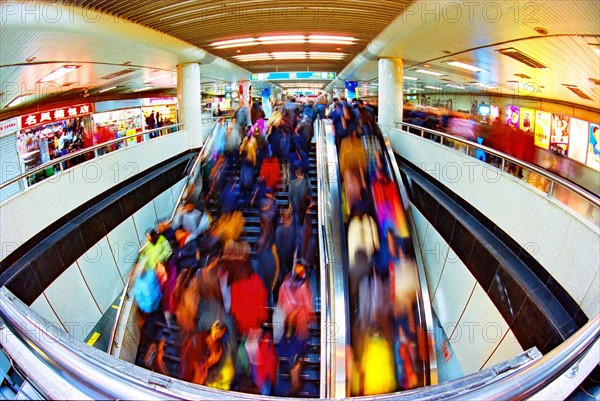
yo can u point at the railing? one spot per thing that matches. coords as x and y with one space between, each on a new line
583 202
334 292
120 143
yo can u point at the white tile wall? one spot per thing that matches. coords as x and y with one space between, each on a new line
101 274
125 246
509 347
163 204
73 303
144 219
421 223
435 252
453 292
479 331
577 242
42 307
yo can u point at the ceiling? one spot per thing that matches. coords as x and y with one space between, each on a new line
153 37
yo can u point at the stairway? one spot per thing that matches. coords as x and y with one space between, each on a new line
156 328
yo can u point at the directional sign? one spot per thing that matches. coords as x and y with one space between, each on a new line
285 76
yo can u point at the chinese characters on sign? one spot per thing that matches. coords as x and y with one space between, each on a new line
50 116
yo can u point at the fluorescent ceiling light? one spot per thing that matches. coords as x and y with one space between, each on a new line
232 41
455 86
330 42
237 45
283 41
19 100
328 37
433 87
464 66
107 89
58 73
332 54
162 76
411 78
144 89
595 47
283 37
429 72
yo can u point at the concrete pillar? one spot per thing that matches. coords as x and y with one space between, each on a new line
189 98
390 92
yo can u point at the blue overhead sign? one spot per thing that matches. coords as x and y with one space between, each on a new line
291 76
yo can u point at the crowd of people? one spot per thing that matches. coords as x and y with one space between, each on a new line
243 309
382 281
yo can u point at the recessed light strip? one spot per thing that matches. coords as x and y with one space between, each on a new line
284 39
59 73
464 66
439 74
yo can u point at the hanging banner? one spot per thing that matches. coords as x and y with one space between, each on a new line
351 89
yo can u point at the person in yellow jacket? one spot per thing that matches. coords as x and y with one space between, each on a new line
249 148
157 250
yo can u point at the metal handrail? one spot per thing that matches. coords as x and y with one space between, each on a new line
80 152
335 278
588 196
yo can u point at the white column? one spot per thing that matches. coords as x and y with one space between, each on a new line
189 98
390 92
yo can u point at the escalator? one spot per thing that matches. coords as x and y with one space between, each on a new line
389 312
156 329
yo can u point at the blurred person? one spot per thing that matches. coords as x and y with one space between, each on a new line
299 196
188 255
192 220
242 116
267 260
295 303
285 239
157 249
363 235
256 112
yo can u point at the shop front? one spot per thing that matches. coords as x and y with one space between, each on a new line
49 134
159 112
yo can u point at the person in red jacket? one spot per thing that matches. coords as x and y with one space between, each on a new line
248 300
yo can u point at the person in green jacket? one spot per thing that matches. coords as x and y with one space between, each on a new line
157 250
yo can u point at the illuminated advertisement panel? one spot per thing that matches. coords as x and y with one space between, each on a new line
593 157
527 120
543 122
559 137
578 140
512 116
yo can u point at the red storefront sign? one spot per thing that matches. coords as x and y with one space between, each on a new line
50 116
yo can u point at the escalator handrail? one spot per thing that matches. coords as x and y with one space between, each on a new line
424 290
201 154
585 194
337 325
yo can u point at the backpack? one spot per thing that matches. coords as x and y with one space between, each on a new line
147 292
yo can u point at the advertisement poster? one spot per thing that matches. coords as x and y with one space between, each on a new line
527 120
494 112
578 140
559 138
593 157
543 122
512 116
